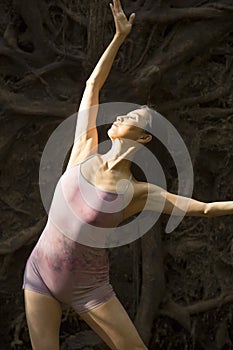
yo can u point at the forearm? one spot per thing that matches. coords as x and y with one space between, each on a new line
210 210
179 205
219 208
103 67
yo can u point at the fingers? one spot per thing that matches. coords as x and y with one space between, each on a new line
131 18
120 19
116 6
112 9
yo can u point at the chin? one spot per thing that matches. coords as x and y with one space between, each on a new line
111 134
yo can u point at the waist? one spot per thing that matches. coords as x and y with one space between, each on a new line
53 241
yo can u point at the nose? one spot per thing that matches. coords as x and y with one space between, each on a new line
119 118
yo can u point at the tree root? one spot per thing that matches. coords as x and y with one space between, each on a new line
211 111
10 36
207 97
18 324
16 57
12 207
181 48
74 16
139 62
4 269
181 314
178 313
220 6
169 15
136 248
190 101
153 282
207 305
36 74
17 104
26 236
8 140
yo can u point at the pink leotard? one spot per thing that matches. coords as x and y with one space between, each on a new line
59 265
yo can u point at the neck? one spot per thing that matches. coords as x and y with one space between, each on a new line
120 155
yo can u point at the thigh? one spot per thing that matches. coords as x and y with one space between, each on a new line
112 323
43 315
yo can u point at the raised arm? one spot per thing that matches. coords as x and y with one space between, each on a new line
86 138
123 28
160 199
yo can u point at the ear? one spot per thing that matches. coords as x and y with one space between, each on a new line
145 138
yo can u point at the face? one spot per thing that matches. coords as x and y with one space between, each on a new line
129 126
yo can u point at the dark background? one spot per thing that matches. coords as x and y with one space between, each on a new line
179 60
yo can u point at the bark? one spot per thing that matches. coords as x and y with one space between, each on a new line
153 282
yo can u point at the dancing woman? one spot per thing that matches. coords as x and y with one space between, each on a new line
60 268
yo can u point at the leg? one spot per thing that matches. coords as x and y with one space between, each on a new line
43 317
112 323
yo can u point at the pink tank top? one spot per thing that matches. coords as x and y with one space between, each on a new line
83 212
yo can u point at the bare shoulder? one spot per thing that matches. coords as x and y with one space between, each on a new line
146 196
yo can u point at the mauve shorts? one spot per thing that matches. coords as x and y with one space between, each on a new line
79 279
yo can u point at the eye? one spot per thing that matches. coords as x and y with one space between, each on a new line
132 116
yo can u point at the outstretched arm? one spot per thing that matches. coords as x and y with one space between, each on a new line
86 138
160 199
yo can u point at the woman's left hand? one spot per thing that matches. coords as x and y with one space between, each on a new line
123 25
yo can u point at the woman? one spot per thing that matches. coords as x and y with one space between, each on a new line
60 269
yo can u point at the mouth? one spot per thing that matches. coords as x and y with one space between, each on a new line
115 124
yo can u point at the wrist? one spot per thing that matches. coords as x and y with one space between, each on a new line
120 37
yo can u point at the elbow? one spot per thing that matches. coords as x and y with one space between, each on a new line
207 211
90 82
93 84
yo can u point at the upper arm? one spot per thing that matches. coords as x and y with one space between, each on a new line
168 203
86 137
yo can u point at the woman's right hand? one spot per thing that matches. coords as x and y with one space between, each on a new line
122 24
